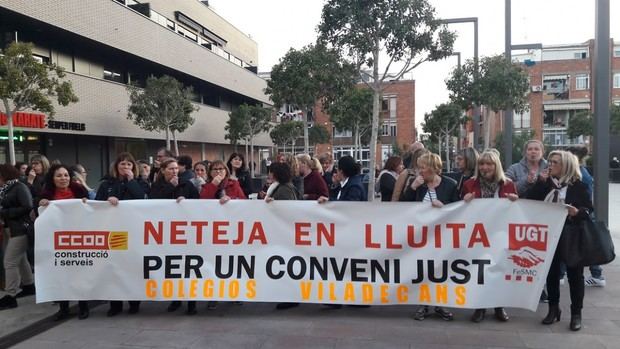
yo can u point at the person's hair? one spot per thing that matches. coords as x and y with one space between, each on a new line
281 172
215 163
229 162
291 160
201 163
8 172
163 165
76 175
167 153
49 176
533 141
432 161
348 166
186 161
317 165
143 162
392 163
490 156
326 157
578 150
470 156
418 153
415 146
308 161
43 160
125 156
19 164
570 166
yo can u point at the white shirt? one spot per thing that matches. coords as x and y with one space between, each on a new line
342 184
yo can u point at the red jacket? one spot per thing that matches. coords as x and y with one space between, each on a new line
473 186
314 186
233 190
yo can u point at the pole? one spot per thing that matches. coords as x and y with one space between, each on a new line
508 112
602 101
476 110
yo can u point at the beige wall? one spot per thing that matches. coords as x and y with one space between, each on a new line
112 24
239 44
103 108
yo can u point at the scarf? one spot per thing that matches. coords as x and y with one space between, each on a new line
488 189
6 187
271 189
556 191
63 194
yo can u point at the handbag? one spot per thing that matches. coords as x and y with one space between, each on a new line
587 243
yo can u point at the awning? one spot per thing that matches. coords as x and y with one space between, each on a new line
567 106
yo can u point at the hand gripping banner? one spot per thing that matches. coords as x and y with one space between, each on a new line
482 254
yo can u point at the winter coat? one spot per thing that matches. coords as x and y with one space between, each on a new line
473 186
314 186
162 189
122 189
15 209
285 192
231 188
446 191
353 190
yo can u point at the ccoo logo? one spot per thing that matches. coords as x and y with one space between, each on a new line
91 240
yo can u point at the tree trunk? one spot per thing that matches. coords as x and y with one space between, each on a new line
252 157
439 142
176 143
306 137
167 138
487 131
356 144
376 104
9 118
447 151
247 154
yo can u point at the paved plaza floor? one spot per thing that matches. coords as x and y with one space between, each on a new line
259 325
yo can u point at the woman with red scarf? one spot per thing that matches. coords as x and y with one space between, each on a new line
59 186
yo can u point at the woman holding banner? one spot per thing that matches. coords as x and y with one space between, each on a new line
562 184
431 187
121 184
489 182
219 185
169 186
59 186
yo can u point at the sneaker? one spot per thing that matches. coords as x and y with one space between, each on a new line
421 313
8 302
595 282
444 313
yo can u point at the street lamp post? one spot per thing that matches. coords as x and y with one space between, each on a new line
602 101
476 111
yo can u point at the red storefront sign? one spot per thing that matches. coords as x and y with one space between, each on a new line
23 119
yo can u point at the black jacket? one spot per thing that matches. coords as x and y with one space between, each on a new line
386 186
576 195
446 192
16 208
245 181
164 190
353 190
122 189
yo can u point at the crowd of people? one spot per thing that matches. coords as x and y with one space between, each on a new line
416 176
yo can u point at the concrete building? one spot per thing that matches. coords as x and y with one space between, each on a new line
104 45
397 125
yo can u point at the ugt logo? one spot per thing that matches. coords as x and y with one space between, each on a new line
90 240
524 241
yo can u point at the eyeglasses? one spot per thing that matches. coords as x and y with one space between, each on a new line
218 169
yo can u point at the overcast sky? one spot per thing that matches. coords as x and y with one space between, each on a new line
278 25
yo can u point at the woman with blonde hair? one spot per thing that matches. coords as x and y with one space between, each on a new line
406 177
314 184
562 184
489 181
431 187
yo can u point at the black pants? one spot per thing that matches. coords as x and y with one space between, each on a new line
64 306
118 305
575 283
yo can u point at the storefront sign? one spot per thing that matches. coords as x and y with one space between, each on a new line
483 254
33 120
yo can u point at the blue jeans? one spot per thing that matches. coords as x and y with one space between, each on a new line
595 270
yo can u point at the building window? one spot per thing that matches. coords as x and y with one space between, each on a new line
616 80
555 87
582 82
388 107
522 120
581 55
388 129
617 51
41 59
342 133
112 76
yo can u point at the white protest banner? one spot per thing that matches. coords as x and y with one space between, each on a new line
482 254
